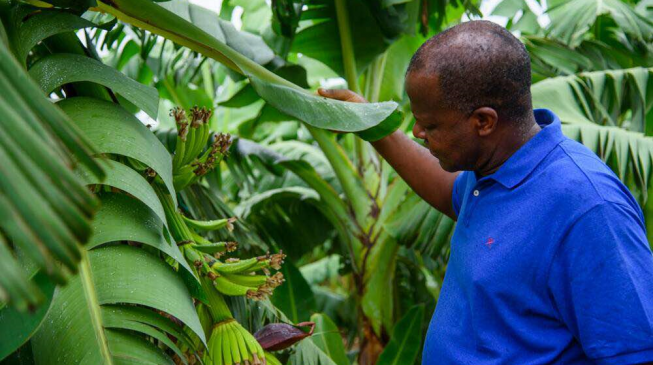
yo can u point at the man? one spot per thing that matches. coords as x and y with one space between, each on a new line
549 260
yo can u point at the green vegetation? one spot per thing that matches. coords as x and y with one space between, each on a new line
124 241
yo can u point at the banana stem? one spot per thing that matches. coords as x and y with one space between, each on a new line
376 77
347 46
217 305
180 232
154 18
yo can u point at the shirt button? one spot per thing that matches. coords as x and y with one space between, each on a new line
477 193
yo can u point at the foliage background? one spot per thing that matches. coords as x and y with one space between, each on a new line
366 257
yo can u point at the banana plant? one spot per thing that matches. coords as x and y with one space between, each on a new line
616 98
609 35
145 263
45 211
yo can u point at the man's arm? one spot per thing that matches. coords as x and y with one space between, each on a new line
413 162
420 169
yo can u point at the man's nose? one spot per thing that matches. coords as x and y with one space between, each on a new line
418 132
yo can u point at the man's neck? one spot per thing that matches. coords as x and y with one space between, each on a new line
502 151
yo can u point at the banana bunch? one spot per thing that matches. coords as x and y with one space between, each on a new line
190 161
236 277
202 244
233 277
231 344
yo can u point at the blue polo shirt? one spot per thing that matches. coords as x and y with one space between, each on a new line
549 264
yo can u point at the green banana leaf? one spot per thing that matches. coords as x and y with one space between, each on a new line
333 114
319 271
116 131
247 44
571 19
121 218
126 179
416 224
44 209
18 327
307 173
116 275
308 353
396 63
614 97
58 69
295 297
275 212
327 337
122 314
320 39
378 279
28 25
406 340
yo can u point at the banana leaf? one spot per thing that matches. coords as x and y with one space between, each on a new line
406 340
113 275
44 208
280 93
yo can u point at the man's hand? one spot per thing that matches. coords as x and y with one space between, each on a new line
413 162
342 95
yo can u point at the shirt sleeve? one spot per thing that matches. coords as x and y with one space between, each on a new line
458 192
601 282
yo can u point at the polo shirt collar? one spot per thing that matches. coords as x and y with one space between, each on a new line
528 156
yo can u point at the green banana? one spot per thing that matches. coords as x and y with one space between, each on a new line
180 150
253 281
217 347
210 225
190 142
226 349
271 360
214 348
252 344
206 246
235 350
136 164
214 247
183 177
226 287
274 261
236 267
247 357
182 132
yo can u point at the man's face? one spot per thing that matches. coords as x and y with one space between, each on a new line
448 134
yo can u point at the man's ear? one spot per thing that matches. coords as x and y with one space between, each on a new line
485 120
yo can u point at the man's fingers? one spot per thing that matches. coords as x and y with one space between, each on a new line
343 95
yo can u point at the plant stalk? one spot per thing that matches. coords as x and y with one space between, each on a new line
377 68
346 173
217 305
148 15
86 277
180 232
347 46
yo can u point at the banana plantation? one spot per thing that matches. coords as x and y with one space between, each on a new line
172 189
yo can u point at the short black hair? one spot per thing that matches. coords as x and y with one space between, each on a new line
479 63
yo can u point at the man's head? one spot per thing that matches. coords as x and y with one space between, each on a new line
469 88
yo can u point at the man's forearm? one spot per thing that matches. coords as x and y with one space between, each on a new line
421 170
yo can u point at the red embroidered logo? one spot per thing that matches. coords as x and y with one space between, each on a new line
490 242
